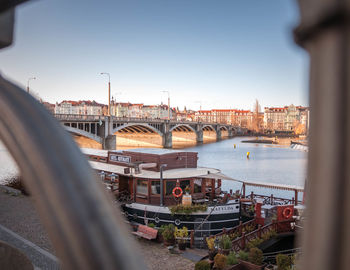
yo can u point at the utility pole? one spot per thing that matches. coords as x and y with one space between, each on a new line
109 91
168 103
32 78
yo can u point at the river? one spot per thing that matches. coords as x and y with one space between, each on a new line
267 163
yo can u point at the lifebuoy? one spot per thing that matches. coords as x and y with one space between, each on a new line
287 212
179 194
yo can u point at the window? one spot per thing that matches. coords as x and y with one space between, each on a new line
197 185
184 184
155 187
141 187
169 187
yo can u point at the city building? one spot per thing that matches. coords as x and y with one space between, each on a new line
82 107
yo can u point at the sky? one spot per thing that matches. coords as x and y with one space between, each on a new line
215 54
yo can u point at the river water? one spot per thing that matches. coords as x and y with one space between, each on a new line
267 163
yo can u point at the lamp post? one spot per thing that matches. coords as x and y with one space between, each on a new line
161 183
32 78
168 103
109 91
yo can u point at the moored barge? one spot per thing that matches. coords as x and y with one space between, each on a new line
152 186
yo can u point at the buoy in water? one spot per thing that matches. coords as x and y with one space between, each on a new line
234 146
248 154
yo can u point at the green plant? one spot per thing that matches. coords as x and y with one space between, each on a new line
187 209
168 233
225 242
151 225
181 234
202 265
220 261
232 259
243 255
255 256
161 229
284 262
210 243
254 243
187 190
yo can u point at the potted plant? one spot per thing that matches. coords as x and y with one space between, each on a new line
254 260
232 261
187 190
225 244
168 235
181 235
283 261
202 265
220 261
211 247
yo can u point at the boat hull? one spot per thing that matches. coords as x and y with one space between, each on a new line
209 222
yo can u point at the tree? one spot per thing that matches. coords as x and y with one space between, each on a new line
256 117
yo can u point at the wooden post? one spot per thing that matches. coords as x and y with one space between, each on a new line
252 195
212 189
243 190
296 197
192 239
243 241
240 228
259 231
271 199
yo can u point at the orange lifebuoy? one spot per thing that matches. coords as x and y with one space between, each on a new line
287 212
179 194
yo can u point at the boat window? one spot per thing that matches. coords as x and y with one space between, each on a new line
155 188
141 187
184 184
197 185
169 187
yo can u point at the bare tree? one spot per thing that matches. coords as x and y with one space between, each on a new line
256 116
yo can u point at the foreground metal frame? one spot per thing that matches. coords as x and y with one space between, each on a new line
86 230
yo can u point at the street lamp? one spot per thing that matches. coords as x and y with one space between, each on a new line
162 184
32 78
109 91
168 103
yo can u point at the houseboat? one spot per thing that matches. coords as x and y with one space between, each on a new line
163 186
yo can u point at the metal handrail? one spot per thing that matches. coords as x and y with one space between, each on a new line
85 228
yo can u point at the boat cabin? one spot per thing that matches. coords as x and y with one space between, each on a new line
156 176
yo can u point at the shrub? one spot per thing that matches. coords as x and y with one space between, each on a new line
283 262
210 243
232 259
181 234
255 256
187 209
243 255
202 265
151 225
225 242
220 261
254 243
168 233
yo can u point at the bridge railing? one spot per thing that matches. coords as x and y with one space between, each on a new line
74 117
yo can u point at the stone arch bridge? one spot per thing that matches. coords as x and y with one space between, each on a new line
102 129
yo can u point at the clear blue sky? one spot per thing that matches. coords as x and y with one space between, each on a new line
224 53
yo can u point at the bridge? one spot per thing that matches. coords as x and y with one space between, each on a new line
102 129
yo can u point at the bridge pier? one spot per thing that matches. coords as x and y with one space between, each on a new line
218 134
167 140
110 142
199 136
230 132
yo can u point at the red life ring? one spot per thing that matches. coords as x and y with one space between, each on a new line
287 212
179 194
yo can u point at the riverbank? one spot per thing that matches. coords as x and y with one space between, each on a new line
19 215
283 141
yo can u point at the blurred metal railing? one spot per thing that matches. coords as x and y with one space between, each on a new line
86 230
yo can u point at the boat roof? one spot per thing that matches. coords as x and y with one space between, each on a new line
155 151
95 152
168 174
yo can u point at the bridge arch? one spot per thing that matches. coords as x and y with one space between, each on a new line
186 126
208 128
86 134
223 128
137 127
